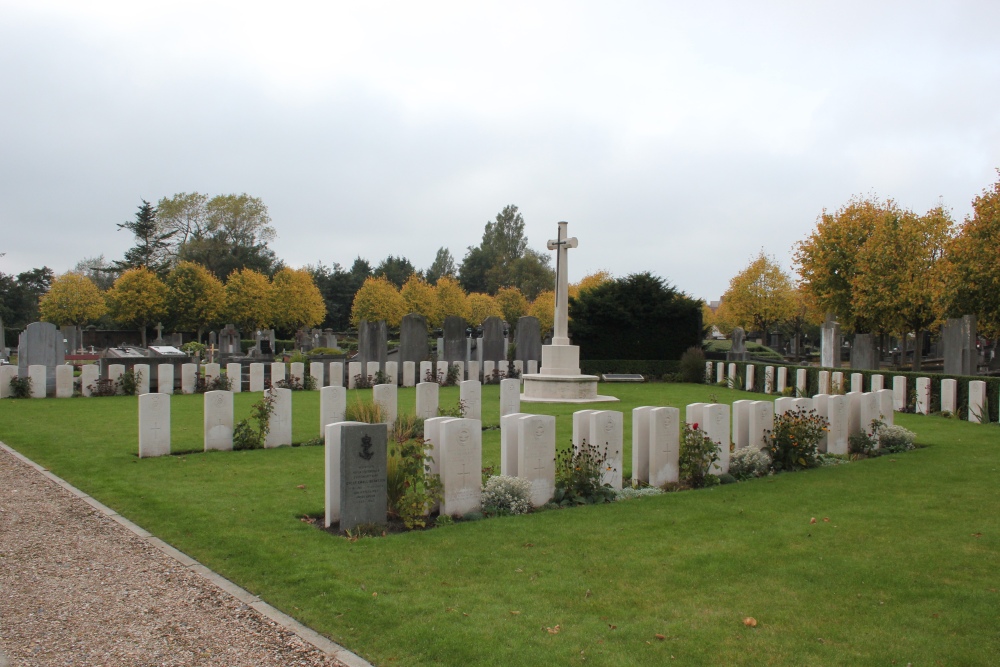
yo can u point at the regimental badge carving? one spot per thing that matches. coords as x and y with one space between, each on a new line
609 425
366 448
463 436
539 431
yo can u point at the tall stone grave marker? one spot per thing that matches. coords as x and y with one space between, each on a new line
801 382
64 381
426 369
824 382
750 379
863 353
362 468
853 413
413 341
427 399
528 340
154 425
923 396
332 446
493 343
886 413
782 378
392 372
316 373
432 442
857 382
830 344
949 395
838 414
741 424
694 413
353 373
536 455
461 465
336 373
581 428
783 404
256 377
277 372
218 420
212 373
869 412
409 374
977 402
717 429
141 378
769 379
297 372
837 383
640 444
41 344
877 382
821 403
281 419
234 372
91 373
454 339
372 343
761 422
899 393
664 445
958 336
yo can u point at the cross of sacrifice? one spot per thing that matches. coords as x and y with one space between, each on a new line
561 244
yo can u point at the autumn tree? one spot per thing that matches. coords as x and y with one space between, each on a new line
481 306
396 269
196 299
138 298
759 296
972 265
512 304
451 300
544 309
420 297
503 259
185 215
378 299
230 232
295 300
589 281
248 299
72 299
443 265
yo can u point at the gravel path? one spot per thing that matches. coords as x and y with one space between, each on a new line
77 588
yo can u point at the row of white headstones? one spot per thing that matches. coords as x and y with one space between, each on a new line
323 375
835 380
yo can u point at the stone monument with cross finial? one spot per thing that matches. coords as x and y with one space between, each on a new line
559 379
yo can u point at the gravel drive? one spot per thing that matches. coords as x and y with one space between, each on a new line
77 588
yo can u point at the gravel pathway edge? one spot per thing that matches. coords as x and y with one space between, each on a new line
285 621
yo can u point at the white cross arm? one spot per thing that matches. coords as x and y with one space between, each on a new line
554 244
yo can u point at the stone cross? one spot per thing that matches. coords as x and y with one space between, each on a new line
561 244
211 353
159 332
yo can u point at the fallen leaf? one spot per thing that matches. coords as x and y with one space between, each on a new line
812 520
587 594
977 534
301 486
528 544
826 519
553 631
375 594
750 622
515 613
613 627
464 614
661 637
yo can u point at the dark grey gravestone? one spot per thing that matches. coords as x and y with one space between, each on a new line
738 349
41 343
362 474
229 340
493 341
863 355
372 342
958 338
528 340
413 339
454 339
4 354
69 334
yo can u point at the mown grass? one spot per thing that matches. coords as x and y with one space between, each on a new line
904 571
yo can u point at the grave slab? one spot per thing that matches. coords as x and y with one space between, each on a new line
154 425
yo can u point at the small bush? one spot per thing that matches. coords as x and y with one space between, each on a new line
105 387
362 381
412 489
504 495
697 454
579 472
129 382
896 439
458 411
792 443
749 462
628 492
325 352
251 433
693 365
20 387
368 412
295 383
193 348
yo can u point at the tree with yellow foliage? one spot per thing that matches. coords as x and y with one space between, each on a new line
451 300
481 306
759 296
295 300
589 281
72 299
512 304
248 299
544 308
378 299
138 298
420 297
195 297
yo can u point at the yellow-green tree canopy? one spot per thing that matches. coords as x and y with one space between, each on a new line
195 297
378 299
138 298
589 281
295 300
248 299
451 300
420 297
481 306
512 304
72 299
544 308
759 296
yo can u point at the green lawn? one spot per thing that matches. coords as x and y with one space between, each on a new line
905 571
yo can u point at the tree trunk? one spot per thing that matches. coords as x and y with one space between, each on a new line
902 351
918 348
142 333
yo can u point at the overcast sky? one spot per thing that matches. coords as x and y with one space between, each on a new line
678 138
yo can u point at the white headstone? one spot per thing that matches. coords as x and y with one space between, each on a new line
708 372
510 396
761 422
838 414
640 444
353 373
878 382
857 382
212 371
91 373
782 378
886 412
474 370
332 406
536 456
460 365
899 393
471 395
189 378
923 396
664 445
805 404
751 371
532 366
426 367
277 372
336 373
581 428
853 412
234 373
115 372
801 382
606 432
372 369
741 424
442 371
385 396
731 377
432 442
824 382
869 408
717 429
837 383
331 471
769 379
281 419
720 373
37 374
821 403
977 402
141 378
392 372
461 465
694 413
783 404
8 372
154 425
297 372
64 381
410 374
949 395
427 399
256 377
509 443
218 420
519 366
316 373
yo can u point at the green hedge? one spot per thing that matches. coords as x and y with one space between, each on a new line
647 367
812 384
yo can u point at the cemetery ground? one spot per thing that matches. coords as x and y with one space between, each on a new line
899 567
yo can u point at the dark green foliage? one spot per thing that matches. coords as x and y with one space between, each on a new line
579 471
396 269
338 287
19 300
792 443
20 387
104 387
697 454
503 259
443 265
151 247
693 365
129 382
636 317
411 487
251 433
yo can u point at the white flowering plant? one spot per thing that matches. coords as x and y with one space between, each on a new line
504 495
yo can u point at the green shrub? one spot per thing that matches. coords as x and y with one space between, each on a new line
504 495
368 412
325 352
579 471
697 454
896 439
749 462
412 489
20 387
104 387
693 365
792 443
129 382
251 433
193 348
458 411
